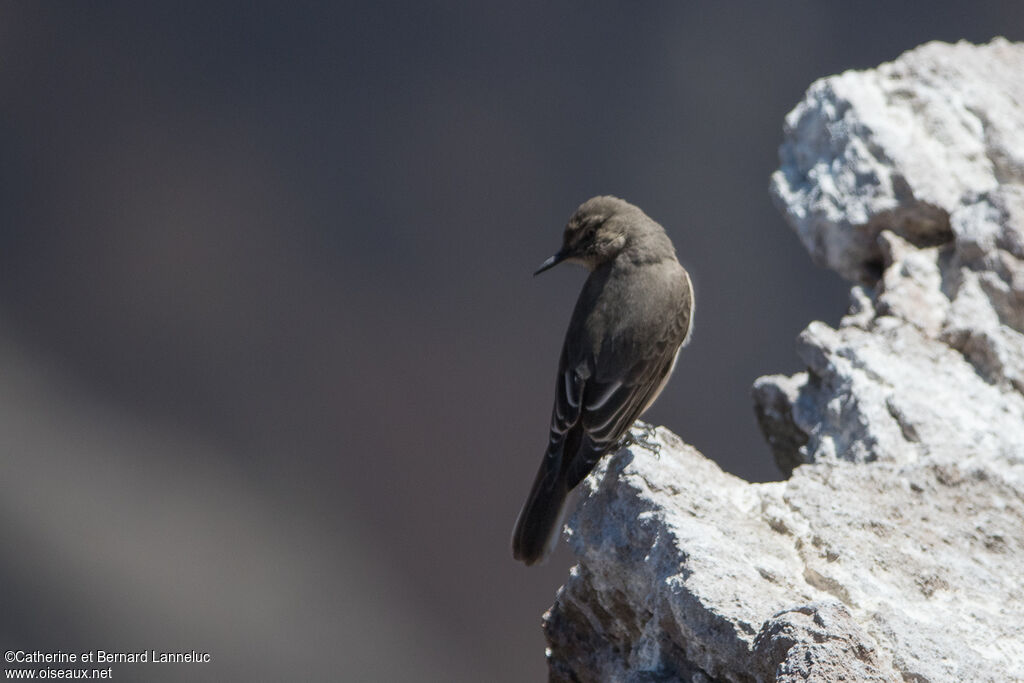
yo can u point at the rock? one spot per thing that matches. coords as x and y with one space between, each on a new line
872 572
894 550
819 641
902 147
930 360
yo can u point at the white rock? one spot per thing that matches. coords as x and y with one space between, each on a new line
895 550
931 359
881 572
900 147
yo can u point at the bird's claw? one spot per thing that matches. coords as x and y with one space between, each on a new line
644 435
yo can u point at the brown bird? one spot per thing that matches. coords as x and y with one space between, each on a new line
634 314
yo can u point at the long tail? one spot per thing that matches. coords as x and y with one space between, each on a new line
540 520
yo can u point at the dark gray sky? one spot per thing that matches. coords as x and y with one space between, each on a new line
277 376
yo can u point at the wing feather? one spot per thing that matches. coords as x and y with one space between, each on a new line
599 395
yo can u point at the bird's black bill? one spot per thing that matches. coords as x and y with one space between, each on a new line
552 262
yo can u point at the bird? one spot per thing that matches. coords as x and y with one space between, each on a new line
633 316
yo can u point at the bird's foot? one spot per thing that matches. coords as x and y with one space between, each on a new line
644 435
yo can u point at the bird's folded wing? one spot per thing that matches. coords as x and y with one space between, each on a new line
610 408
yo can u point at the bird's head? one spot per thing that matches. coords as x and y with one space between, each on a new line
595 233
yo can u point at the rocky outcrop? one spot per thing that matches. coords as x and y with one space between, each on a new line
910 180
895 549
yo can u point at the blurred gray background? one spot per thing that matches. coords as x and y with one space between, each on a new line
274 374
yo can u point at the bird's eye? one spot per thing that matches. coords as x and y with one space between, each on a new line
590 233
